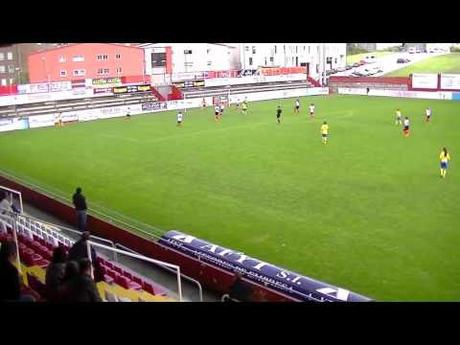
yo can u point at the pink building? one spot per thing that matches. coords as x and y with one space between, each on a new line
86 61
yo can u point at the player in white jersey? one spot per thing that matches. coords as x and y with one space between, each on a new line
428 114
311 108
221 109
180 117
406 127
217 112
398 120
297 106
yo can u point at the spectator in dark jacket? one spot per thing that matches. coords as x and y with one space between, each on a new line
82 288
55 274
80 251
79 202
10 289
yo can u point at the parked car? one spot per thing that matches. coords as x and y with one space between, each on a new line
341 69
402 60
357 74
347 67
356 64
362 62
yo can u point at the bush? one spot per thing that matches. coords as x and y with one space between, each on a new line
455 49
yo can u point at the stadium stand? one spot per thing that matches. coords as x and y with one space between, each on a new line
36 242
238 89
31 109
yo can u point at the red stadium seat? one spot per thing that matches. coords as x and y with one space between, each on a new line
126 283
109 264
148 288
137 279
128 275
117 269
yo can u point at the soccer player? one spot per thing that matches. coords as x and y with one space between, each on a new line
204 103
297 106
221 109
324 132
58 121
406 127
312 110
444 157
128 114
180 117
278 114
398 120
216 112
428 114
244 108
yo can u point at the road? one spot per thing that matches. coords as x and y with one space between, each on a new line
388 63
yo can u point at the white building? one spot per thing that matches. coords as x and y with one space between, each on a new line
311 55
167 60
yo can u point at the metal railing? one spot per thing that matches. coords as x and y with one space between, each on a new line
194 281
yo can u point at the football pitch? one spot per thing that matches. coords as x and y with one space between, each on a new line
367 212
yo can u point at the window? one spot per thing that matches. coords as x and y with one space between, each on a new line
11 81
79 72
309 50
118 56
3 82
100 71
187 52
296 49
9 56
265 64
246 48
61 59
304 48
106 71
10 69
275 48
271 59
158 60
335 60
102 57
118 69
209 63
2 69
62 73
250 61
188 63
2 56
208 51
253 49
78 58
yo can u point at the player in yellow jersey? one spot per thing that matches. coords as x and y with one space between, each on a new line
324 132
444 157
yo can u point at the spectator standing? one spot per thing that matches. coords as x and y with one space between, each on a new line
79 202
79 251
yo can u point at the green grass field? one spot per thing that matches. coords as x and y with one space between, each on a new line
358 57
437 64
367 212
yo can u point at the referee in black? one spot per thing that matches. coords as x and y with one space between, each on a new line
278 114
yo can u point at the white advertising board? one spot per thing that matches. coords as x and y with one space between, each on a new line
352 91
411 94
424 81
450 81
12 124
36 121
